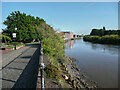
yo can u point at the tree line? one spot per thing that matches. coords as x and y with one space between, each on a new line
103 36
103 32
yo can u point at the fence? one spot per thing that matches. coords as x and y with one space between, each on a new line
41 66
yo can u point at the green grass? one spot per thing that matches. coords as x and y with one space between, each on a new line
9 47
12 46
20 44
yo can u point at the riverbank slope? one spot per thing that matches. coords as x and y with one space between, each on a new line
67 75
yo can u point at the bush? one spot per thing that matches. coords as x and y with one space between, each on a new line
53 43
52 71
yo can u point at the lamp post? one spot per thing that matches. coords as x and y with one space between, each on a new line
14 36
19 34
15 28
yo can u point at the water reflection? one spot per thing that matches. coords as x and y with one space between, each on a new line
69 44
98 61
113 49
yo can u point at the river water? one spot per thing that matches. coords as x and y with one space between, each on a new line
99 62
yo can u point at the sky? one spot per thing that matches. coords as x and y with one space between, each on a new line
78 17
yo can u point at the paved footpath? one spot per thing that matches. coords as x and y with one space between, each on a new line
20 67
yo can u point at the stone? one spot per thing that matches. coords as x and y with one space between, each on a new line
68 72
74 83
66 69
66 77
70 79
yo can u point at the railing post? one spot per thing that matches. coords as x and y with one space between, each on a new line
42 68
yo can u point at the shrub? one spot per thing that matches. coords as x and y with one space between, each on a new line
52 71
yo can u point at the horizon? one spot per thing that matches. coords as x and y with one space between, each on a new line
77 17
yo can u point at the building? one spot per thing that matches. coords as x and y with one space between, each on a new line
75 36
69 44
67 35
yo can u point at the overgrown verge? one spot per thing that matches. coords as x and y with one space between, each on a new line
68 75
57 73
52 71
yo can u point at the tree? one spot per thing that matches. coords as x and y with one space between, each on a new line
5 38
25 25
118 32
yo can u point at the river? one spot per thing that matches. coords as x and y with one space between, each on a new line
99 62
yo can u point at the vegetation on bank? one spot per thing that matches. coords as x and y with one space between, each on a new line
103 36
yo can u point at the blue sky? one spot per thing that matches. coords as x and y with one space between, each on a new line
78 17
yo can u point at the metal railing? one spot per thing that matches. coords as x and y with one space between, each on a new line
42 68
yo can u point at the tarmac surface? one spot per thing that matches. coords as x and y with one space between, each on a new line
20 67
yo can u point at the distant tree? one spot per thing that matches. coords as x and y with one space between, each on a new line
102 32
94 32
118 32
99 32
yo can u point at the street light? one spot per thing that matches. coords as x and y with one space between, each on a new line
19 34
14 36
15 28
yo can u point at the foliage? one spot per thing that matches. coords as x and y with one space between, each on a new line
107 39
94 39
12 43
53 43
103 36
12 46
51 71
59 82
25 25
102 32
5 38
97 32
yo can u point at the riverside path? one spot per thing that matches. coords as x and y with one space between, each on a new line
20 67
